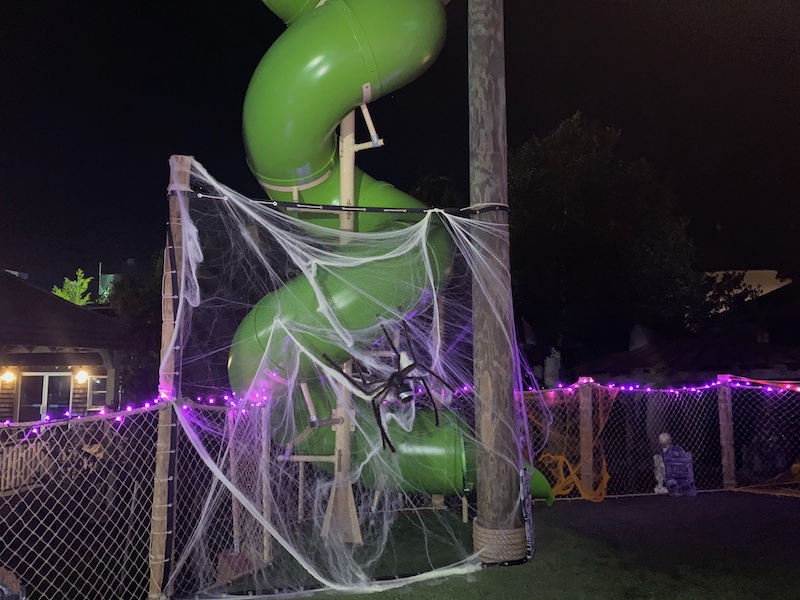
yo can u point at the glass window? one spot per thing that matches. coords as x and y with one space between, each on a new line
31 398
98 388
44 393
59 393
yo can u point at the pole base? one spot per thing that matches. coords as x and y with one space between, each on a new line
499 546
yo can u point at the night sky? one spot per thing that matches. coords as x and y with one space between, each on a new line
95 97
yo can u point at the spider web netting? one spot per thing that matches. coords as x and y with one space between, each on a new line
325 435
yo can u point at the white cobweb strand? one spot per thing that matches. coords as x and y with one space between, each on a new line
246 503
462 568
249 519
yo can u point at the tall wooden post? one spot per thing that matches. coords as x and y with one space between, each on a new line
498 531
725 409
341 518
587 437
169 379
161 521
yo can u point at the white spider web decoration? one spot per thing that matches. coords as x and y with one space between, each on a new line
283 326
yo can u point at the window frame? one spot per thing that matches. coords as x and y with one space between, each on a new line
90 393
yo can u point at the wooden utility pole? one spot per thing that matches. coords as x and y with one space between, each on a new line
498 531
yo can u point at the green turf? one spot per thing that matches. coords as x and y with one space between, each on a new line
724 546
574 568
644 548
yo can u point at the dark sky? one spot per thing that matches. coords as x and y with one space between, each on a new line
95 96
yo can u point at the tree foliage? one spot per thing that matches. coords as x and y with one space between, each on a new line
598 244
439 192
75 290
136 299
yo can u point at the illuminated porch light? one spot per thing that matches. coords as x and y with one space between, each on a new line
81 377
8 377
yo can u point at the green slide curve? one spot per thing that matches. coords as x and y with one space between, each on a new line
333 56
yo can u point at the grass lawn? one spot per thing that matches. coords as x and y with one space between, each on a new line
716 545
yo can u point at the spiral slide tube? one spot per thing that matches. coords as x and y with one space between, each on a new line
335 56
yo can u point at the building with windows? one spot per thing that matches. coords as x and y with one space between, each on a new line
56 358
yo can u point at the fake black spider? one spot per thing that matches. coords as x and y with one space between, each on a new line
399 382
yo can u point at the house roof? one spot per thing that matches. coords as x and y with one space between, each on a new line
30 316
710 354
696 355
779 312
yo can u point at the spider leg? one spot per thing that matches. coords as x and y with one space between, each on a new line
357 384
433 400
395 351
407 332
437 377
362 375
405 372
376 409
414 363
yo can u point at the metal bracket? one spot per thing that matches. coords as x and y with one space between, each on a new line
375 141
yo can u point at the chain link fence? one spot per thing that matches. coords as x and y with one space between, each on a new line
602 440
766 432
75 506
222 549
107 508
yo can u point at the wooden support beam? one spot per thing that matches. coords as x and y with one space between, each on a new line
725 409
341 518
169 381
160 517
587 437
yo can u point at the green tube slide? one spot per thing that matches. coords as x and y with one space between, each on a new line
335 55
429 459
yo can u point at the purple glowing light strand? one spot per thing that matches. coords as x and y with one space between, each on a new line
734 381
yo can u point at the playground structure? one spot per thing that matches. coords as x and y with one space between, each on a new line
289 118
360 365
359 362
351 430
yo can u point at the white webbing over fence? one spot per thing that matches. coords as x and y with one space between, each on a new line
76 496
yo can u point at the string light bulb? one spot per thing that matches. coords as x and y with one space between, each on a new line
227 402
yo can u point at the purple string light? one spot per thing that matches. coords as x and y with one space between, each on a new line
228 399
